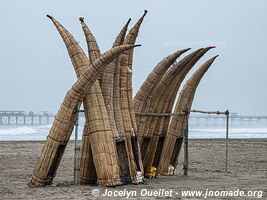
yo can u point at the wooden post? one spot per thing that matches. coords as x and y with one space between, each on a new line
76 152
185 167
226 141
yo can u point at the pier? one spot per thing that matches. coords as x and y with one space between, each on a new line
234 118
44 118
25 118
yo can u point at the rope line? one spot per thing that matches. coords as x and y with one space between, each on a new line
184 113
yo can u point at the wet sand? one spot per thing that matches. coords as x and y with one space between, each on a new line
247 171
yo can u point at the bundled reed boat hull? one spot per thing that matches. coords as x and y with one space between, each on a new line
65 118
166 103
173 141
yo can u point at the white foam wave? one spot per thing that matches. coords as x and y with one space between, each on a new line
18 133
24 130
232 130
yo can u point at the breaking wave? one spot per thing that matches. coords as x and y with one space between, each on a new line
36 133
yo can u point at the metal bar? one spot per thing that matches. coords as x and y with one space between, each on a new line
76 152
181 113
185 165
226 140
161 114
208 112
76 129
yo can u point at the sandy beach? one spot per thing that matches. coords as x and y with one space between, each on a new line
247 172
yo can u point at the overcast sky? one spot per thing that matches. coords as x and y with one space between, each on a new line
36 72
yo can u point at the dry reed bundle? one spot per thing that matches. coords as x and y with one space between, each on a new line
80 62
63 124
98 123
87 167
162 86
143 96
161 92
108 83
127 122
111 94
101 138
173 142
126 103
121 141
87 155
127 62
76 54
93 49
165 105
116 87
170 100
88 174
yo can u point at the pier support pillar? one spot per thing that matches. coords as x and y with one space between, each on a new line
17 120
40 120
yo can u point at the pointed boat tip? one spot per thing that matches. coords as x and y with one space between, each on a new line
136 45
200 49
81 19
213 58
145 12
128 22
184 50
49 16
211 47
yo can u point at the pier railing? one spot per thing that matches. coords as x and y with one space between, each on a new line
42 118
25 118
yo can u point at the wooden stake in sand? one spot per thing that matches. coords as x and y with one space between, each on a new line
226 140
77 152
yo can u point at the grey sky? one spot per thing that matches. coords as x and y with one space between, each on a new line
35 71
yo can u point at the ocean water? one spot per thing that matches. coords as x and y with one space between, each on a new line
196 131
